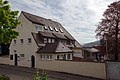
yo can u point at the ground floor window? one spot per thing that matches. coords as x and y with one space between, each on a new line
11 57
46 56
68 56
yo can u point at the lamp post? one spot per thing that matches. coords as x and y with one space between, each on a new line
106 44
106 49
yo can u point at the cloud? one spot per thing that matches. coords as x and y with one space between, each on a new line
79 17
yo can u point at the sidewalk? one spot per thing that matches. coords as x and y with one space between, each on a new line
52 74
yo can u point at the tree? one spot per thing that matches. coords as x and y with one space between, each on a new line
8 23
109 29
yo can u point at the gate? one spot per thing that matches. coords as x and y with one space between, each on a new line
113 70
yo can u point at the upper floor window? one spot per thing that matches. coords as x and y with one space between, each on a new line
21 40
61 30
15 51
56 29
14 41
51 28
53 40
49 40
45 40
29 40
39 27
22 55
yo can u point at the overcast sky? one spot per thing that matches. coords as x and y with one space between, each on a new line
79 17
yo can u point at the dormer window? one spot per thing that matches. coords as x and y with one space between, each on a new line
56 29
61 30
45 40
51 28
39 27
45 27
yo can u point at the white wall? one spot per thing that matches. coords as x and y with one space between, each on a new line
90 69
24 29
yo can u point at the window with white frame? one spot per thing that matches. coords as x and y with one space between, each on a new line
68 56
50 56
39 27
47 56
49 40
45 40
44 56
41 56
53 40
64 57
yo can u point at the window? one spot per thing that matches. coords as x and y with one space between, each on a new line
61 30
49 40
11 57
21 55
21 40
47 56
44 56
68 56
45 40
29 40
51 28
41 56
45 27
53 40
14 42
64 57
58 57
50 56
15 51
39 28
56 29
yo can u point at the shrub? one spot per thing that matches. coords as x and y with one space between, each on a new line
3 77
38 77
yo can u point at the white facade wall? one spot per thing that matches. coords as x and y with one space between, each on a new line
25 48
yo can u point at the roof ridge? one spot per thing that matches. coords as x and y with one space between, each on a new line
33 15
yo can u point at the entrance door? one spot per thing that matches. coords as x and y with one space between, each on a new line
32 61
16 60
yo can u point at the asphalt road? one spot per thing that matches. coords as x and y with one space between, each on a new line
22 73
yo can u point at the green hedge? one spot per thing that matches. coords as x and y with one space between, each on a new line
3 77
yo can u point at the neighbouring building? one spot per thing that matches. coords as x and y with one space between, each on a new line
42 39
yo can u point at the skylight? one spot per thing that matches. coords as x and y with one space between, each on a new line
56 29
51 28
61 30
45 27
